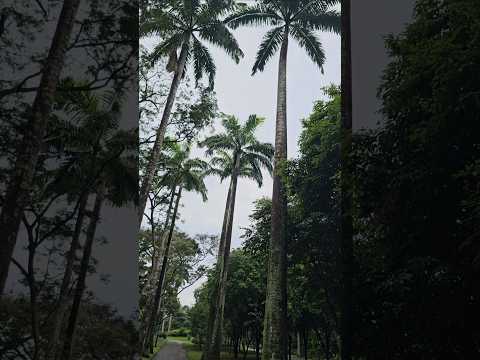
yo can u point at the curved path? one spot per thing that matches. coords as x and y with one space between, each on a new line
171 351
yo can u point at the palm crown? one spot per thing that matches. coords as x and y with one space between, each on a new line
298 18
186 172
238 144
185 24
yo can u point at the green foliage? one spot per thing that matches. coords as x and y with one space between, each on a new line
416 193
238 143
185 25
296 18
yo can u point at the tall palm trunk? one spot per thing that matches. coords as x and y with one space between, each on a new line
148 338
17 193
80 287
67 279
158 250
275 342
157 147
346 246
217 301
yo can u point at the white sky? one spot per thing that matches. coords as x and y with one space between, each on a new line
240 94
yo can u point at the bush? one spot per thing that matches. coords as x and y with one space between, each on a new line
182 332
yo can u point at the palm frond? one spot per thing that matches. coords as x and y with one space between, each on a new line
307 40
256 15
203 63
327 21
268 48
218 34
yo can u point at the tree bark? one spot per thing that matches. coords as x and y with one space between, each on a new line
150 322
159 252
80 287
17 194
160 135
346 246
217 302
275 331
62 302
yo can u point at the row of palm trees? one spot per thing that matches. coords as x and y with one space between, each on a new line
236 153
184 26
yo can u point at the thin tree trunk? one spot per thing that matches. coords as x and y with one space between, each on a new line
159 252
147 340
346 246
275 331
80 287
62 302
217 302
299 350
33 295
17 194
160 135
170 323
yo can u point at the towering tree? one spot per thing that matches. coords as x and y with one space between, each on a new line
298 19
346 238
183 25
237 154
17 192
186 174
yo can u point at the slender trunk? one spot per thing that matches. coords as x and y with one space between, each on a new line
275 330
148 336
299 351
170 323
62 302
17 194
33 298
159 249
80 287
305 344
157 147
217 302
346 246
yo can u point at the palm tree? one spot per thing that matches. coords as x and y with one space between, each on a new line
187 174
184 25
298 19
95 151
346 329
17 192
237 154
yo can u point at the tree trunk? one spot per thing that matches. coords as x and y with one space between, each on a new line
299 349
17 194
158 250
305 344
160 135
170 323
275 331
150 322
346 246
217 302
62 302
80 287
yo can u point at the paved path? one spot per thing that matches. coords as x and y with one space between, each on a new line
171 351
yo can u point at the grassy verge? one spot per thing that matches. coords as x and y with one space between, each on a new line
195 353
161 343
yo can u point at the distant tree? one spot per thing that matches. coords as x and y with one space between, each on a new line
298 19
237 153
182 25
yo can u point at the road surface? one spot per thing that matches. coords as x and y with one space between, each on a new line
171 351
